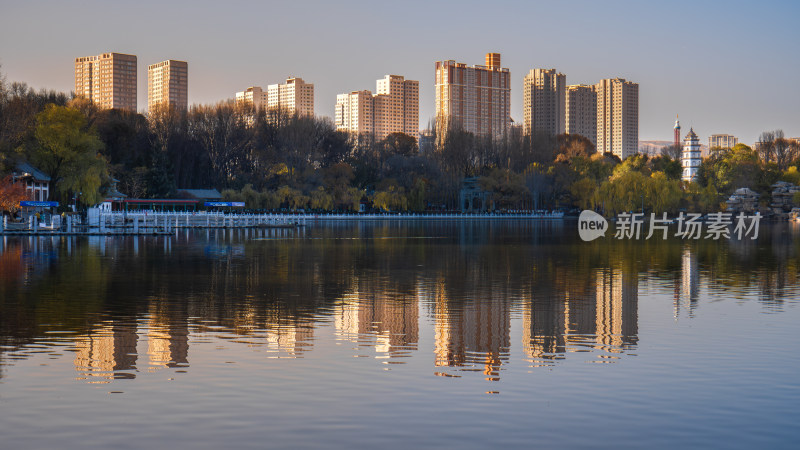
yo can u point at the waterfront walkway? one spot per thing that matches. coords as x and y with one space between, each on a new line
150 222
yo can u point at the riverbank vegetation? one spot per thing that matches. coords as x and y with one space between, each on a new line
274 159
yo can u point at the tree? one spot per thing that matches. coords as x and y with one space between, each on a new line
539 182
321 200
583 191
67 151
672 152
416 198
792 175
11 193
293 198
571 145
222 134
670 167
507 188
399 144
773 146
731 169
391 197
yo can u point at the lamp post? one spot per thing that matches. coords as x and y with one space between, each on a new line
75 201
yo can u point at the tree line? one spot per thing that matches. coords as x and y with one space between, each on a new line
273 159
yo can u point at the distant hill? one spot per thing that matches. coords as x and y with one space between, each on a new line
653 148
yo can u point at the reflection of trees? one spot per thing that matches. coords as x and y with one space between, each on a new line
372 282
50 285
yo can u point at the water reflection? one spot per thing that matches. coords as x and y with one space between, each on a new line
385 321
600 313
472 335
107 352
134 305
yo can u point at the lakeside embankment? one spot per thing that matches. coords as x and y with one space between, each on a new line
149 222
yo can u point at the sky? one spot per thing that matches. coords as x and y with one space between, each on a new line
723 66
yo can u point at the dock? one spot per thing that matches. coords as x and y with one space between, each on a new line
146 223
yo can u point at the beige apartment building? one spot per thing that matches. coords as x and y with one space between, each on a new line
168 84
393 109
617 117
581 111
108 80
722 141
253 95
543 102
477 98
354 112
295 95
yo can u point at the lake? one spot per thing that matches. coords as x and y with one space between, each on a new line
399 334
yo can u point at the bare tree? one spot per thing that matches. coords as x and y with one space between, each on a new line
673 152
223 133
773 146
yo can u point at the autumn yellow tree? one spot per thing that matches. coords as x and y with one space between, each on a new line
66 149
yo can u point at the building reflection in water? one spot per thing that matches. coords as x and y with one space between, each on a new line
578 318
379 318
292 338
471 335
266 295
107 352
687 289
167 336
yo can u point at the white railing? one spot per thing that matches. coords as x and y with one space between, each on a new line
204 219
164 222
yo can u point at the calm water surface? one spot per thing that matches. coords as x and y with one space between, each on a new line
399 334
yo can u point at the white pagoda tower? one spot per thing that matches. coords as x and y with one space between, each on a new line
690 158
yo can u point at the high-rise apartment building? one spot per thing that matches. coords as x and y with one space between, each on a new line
168 84
722 141
476 98
543 102
254 96
396 106
617 117
581 111
354 112
295 95
108 80
394 109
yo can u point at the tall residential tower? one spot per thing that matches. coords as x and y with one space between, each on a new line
108 80
394 109
295 95
617 117
581 111
477 98
168 84
544 102
254 96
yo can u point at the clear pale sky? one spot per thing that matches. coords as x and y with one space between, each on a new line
724 66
